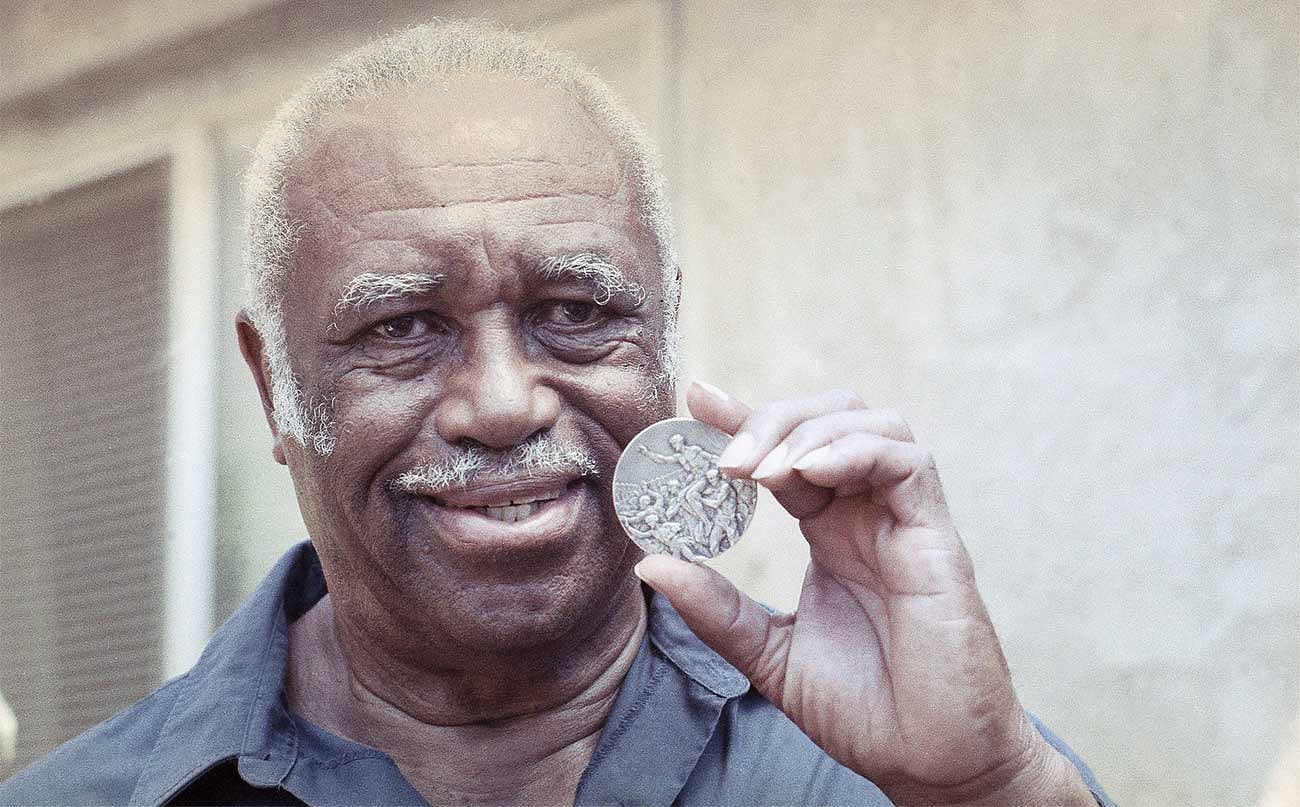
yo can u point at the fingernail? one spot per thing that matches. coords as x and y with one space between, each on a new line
712 390
738 450
812 458
772 463
641 570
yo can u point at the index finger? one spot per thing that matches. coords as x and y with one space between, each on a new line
710 405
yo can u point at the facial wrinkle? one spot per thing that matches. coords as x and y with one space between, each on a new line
522 197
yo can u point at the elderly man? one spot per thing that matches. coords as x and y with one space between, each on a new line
463 306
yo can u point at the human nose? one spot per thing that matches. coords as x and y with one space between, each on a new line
496 397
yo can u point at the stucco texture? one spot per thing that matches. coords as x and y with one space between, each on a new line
1062 239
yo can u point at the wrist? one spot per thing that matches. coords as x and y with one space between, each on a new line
1051 781
1042 776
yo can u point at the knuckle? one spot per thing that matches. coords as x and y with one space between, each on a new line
734 613
845 398
770 663
925 460
779 415
763 417
805 433
896 424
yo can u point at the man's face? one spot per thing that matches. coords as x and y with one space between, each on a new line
420 309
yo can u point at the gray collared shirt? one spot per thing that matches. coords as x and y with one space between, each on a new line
685 729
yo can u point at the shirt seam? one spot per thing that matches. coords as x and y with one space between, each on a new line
143 777
258 692
330 764
712 673
632 711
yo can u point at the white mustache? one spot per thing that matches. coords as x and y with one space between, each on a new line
469 465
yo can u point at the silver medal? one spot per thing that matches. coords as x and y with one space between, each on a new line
671 496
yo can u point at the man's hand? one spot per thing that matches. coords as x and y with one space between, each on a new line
890 664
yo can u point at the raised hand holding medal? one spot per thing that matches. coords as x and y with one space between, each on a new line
890 663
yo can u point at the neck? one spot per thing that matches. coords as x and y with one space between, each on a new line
519 733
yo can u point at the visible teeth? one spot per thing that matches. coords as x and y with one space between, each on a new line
511 512
540 499
516 510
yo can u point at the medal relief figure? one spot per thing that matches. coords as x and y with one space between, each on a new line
692 511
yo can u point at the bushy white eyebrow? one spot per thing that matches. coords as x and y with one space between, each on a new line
369 288
594 270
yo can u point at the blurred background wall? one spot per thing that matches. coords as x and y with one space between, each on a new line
1061 237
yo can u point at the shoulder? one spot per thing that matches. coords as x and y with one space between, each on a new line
191 723
100 766
758 750
752 753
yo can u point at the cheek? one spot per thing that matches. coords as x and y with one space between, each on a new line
620 398
377 421
370 407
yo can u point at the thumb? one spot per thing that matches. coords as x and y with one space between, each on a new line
740 630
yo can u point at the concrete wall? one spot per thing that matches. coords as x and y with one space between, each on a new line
1061 237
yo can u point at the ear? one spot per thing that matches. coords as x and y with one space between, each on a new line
251 345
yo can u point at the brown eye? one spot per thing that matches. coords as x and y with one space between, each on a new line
576 313
399 327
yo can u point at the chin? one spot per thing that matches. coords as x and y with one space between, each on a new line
554 612
525 601
461 584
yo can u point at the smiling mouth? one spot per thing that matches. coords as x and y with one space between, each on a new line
514 514
512 511
507 502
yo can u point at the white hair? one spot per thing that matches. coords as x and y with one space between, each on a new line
597 270
369 288
539 453
392 63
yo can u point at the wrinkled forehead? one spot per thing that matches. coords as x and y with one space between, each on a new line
466 125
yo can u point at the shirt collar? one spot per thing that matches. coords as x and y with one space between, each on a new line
666 712
668 633
231 705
